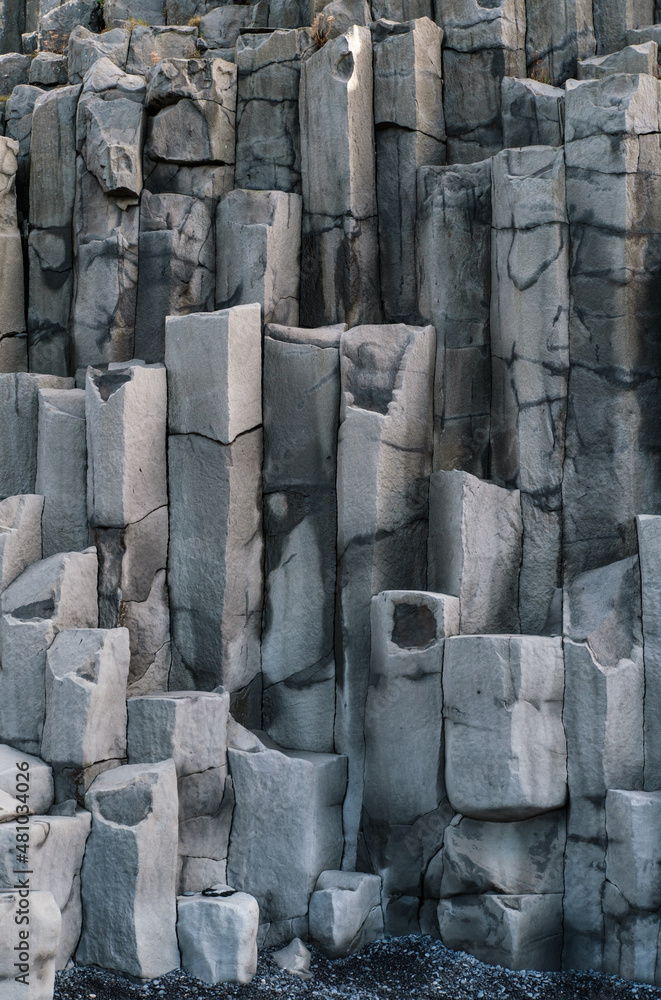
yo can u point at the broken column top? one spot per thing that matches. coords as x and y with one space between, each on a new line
528 187
188 726
618 104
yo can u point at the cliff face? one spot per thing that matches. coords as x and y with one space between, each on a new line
330 483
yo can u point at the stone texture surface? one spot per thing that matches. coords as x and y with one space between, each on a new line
218 936
345 912
61 470
43 940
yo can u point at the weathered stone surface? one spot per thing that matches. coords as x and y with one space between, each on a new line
405 809
481 46
126 418
209 183
40 794
14 70
113 143
56 25
258 237
86 675
48 69
295 959
475 537
383 465
177 266
268 142
50 595
55 856
218 936
12 317
220 27
408 115
20 535
61 470
519 932
287 825
613 21
640 58
150 44
533 113
19 409
339 270
634 846
558 33
345 912
509 858
117 11
129 871
41 945
505 750
530 361
453 251
630 939
649 539
214 370
86 48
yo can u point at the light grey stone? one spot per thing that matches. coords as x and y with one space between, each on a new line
408 113
188 726
41 938
640 58
339 276
214 372
171 80
634 847
56 25
518 932
258 236
126 417
287 825
295 959
345 912
630 939
613 21
86 48
177 266
86 675
481 46
12 316
55 855
149 45
509 858
383 465
453 251
14 71
220 27
115 12
646 33
215 559
19 409
402 10
40 781
475 537
530 359
206 182
61 470
20 535
18 126
218 936
617 104
131 857
113 142
268 141
648 547
505 749
533 113
48 69
404 804
558 33
107 78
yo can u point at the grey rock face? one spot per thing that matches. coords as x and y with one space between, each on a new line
50 595
302 825
339 266
533 113
519 932
558 34
164 43
48 69
258 237
641 58
20 535
61 470
218 936
220 27
13 353
490 685
301 380
44 937
453 251
648 541
505 858
633 848
408 115
613 21
14 70
19 410
383 465
405 809
630 938
268 142
131 858
112 143
475 532
345 912
41 777
118 11
481 46
56 25
86 48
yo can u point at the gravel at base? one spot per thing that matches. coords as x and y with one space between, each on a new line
394 969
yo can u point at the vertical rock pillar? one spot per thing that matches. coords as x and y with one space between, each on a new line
13 345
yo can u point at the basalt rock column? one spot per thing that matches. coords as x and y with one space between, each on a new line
13 352
530 362
340 254
410 132
383 467
214 466
558 33
62 469
453 260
